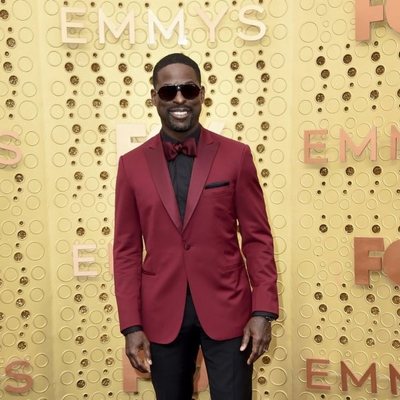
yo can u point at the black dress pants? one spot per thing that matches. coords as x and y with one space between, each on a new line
174 364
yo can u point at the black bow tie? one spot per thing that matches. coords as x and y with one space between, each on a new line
171 150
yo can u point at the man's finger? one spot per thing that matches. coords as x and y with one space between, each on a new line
254 351
142 366
245 340
259 347
252 358
147 355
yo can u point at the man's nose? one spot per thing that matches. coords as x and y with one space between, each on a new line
179 98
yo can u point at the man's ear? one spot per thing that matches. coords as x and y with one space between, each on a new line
202 94
153 97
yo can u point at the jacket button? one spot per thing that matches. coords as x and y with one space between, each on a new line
186 246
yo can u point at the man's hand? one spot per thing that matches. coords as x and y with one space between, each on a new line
259 329
137 348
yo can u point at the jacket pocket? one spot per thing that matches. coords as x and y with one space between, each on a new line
214 185
215 191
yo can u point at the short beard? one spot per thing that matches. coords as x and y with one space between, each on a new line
179 127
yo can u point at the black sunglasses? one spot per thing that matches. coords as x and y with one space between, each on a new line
189 91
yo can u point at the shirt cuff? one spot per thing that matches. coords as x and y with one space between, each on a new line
131 329
267 315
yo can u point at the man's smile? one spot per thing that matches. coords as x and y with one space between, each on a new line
179 113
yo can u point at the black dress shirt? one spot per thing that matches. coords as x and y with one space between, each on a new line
180 171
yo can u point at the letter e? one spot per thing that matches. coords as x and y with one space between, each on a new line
308 146
311 373
77 259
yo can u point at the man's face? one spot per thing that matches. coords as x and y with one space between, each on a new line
179 116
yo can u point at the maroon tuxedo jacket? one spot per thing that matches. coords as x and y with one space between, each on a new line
156 254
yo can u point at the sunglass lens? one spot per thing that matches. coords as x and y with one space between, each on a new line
190 91
167 93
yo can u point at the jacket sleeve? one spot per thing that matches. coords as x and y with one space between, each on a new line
257 242
127 251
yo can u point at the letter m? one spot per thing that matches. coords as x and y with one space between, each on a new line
128 22
346 142
370 373
167 33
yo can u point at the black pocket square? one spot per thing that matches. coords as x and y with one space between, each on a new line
214 185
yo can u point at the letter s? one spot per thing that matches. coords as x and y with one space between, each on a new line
13 149
248 21
11 373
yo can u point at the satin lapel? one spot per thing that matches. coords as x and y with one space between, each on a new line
207 149
162 181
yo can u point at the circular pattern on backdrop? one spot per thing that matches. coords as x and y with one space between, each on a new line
22 10
29 89
28 110
308 32
26 35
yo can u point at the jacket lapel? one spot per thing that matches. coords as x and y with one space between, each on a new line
207 149
162 181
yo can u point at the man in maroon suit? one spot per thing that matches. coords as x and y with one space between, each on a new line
181 281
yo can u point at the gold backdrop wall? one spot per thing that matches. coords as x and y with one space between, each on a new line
66 108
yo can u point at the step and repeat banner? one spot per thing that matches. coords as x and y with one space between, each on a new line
313 87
